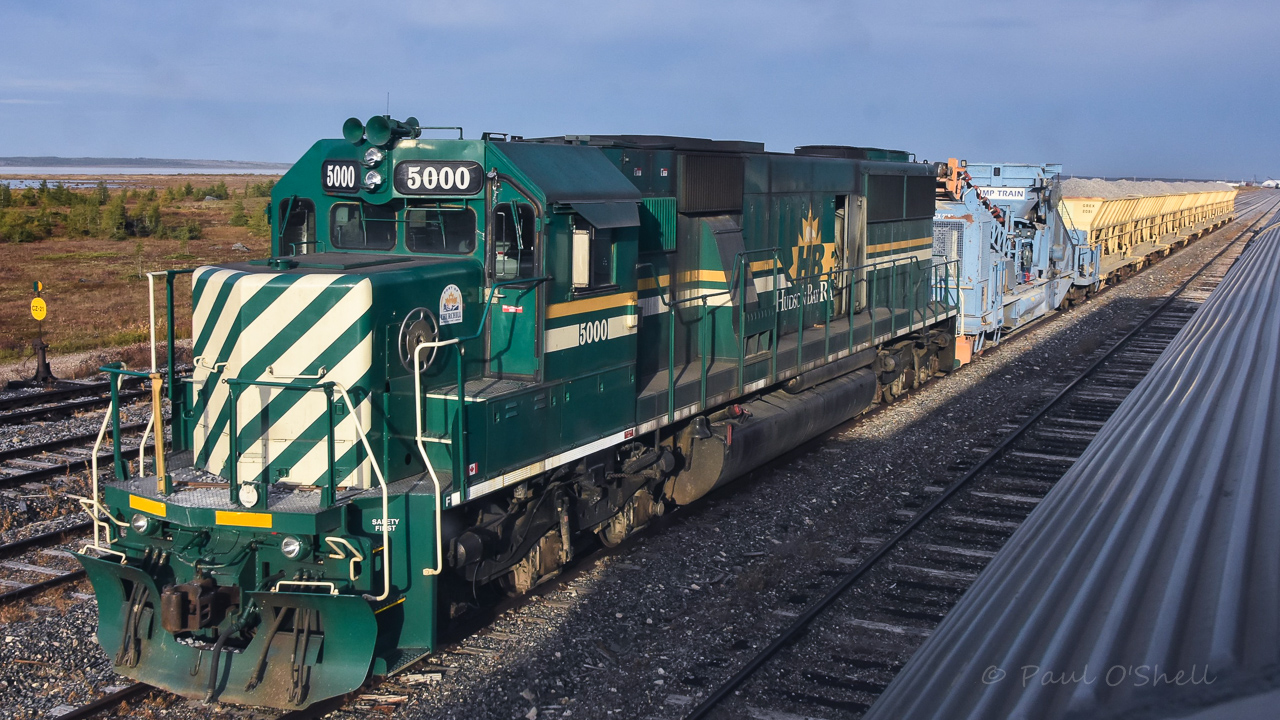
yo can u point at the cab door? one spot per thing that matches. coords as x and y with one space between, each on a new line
515 254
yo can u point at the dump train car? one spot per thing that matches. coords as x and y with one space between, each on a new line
465 358
1028 243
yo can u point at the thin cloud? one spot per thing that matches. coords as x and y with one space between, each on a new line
1117 87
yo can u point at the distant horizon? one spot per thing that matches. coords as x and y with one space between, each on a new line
56 163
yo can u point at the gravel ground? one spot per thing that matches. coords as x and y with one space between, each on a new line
646 630
75 364
24 505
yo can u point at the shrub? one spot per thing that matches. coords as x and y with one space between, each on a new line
238 218
260 189
83 220
258 224
17 226
113 220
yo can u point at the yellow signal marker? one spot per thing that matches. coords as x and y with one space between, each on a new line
38 309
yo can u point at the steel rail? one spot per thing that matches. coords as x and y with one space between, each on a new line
36 588
66 408
49 396
26 451
799 625
75 466
53 537
106 702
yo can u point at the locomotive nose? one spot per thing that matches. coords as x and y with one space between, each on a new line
298 647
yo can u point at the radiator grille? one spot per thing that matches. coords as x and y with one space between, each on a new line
711 183
946 237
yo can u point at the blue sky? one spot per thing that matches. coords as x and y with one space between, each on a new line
1143 87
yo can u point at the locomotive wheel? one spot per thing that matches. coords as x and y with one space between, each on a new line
633 517
540 564
894 389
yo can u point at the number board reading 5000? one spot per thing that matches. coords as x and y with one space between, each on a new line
342 176
424 177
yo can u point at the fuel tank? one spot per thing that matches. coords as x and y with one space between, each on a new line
724 446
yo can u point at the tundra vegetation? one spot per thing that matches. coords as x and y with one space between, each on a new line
92 243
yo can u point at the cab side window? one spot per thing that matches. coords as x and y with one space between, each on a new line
513 236
592 256
298 236
440 230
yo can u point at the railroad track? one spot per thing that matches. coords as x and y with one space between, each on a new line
35 564
969 538
33 463
62 402
21 579
64 391
887 602
69 398
49 576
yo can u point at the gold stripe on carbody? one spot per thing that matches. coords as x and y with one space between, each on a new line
648 283
592 304
693 276
388 607
900 245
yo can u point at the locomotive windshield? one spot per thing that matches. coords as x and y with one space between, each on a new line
362 226
440 230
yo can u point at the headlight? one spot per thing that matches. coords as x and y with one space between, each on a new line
372 179
373 156
292 547
142 524
248 495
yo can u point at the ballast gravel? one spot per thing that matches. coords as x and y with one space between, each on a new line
647 630
21 507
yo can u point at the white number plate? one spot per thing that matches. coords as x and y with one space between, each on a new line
342 176
421 177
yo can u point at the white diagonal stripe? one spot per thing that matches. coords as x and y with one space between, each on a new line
260 331
300 415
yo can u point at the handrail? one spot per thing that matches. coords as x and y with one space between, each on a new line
422 450
382 481
328 387
92 505
169 275
329 492
461 446
114 370
907 296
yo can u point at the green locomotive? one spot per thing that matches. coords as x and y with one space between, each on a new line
465 358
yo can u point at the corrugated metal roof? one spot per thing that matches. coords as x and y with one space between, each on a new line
1147 583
